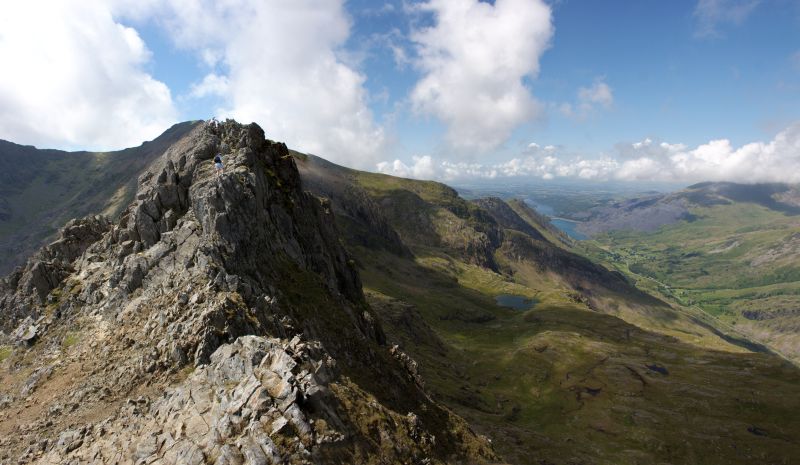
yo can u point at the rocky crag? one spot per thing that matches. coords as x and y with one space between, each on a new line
219 321
41 189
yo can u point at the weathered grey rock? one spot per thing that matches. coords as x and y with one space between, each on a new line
5 400
229 297
24 291
34 380
25 333
223 405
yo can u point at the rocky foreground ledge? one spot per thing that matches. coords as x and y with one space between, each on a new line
220 320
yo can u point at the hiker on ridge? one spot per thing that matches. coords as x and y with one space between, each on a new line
218 164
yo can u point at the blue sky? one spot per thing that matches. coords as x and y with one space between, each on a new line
667 81
446 89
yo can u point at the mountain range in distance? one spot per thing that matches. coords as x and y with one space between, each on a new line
304 311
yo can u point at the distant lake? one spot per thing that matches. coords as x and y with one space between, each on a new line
569 227
517 302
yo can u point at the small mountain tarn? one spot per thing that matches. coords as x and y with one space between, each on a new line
217 321
517 302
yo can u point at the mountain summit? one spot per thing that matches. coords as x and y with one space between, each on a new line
220 320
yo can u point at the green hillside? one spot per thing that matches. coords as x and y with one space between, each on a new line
597 372
739 262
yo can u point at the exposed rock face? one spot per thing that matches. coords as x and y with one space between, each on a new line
259 401
400 218
576 270
641 214
428 215
365 222
24 291
473 232
243 277
652 212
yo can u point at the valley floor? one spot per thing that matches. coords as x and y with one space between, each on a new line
735 263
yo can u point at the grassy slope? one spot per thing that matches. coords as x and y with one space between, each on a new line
565 385
559 383
739 263
561 278
43 189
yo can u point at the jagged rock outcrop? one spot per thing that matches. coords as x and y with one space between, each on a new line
23 293
241 280
41 189
257 401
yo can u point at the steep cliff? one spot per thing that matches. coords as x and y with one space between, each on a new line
219 321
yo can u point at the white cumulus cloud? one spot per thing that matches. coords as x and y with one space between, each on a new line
599 94
420 168
718 160
474 60
212 84
73 76
79 77
589 99
278 63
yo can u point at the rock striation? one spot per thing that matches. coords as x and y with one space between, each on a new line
220 320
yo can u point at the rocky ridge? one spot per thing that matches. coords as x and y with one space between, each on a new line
219 321
41 189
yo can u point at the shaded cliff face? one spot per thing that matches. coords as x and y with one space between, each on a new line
362 219
507 218
531 246
400 215
225 309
